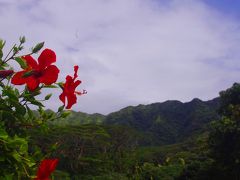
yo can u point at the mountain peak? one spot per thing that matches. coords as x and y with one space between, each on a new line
196 100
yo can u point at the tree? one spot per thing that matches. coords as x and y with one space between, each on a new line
224 138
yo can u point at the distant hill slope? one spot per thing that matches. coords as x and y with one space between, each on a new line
168 122
78 118
158 123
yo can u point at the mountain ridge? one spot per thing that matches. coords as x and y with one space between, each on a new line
158 123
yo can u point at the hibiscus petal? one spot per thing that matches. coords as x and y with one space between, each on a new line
72 99
17 79
62 97
75 72
69 79
46 58
75 84
49 75
53 165
32 83
32 63
46 167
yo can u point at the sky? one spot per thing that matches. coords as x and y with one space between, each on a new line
132 52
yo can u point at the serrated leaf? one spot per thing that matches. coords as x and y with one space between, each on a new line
38 47
21 62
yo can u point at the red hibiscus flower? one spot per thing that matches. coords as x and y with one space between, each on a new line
45 169
69 92
41 72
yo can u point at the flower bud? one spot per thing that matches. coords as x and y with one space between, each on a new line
6 73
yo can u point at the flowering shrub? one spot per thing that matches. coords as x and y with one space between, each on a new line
17 159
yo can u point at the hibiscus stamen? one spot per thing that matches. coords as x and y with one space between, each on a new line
81 93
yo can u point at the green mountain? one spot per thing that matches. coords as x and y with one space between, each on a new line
78 118
158 123
168 122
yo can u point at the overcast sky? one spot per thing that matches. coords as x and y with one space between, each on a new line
133 52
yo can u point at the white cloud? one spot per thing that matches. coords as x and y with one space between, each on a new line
132 51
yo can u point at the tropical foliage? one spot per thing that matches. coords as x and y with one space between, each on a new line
19 159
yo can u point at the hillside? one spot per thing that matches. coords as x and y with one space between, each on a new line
158 123
78 118
168 122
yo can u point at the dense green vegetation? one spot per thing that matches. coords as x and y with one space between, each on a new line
170 140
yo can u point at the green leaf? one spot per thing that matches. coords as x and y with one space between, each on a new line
16 156
20 108
15 49
10 93
37 103
23 148
5 65
22 39
21 62
61 108
47 97
38 47
3 134
30 113
6 115
1 54
36 92
2 44
16 92
8 177
2 159
30 164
